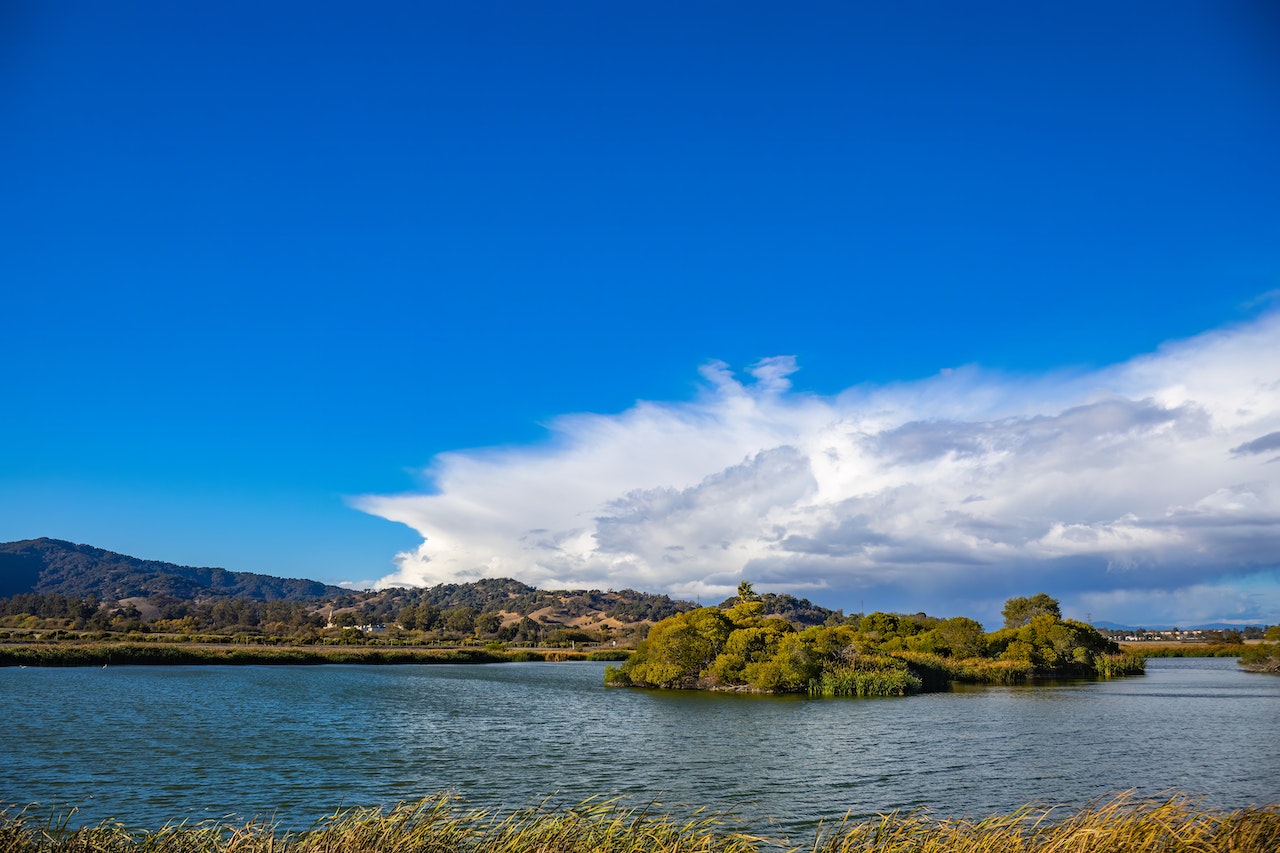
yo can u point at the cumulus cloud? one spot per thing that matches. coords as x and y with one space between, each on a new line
1144 485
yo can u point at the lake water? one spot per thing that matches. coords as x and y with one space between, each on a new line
148 745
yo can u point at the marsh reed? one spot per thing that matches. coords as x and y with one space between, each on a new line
1123 824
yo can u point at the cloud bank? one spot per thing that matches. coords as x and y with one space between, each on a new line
1148 490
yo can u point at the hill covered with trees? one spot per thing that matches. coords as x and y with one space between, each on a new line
51 584
54 567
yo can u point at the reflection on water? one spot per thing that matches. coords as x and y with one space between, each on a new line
152 744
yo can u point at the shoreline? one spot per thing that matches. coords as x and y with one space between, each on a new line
126 653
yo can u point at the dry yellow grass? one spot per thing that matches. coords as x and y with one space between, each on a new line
1125 824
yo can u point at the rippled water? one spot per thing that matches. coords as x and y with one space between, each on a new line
148 745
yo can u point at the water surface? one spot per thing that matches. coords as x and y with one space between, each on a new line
148 745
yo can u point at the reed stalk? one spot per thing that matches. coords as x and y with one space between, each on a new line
1122 824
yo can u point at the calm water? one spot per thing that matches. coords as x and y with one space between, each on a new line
152 744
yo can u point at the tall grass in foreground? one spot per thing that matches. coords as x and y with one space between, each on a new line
436 825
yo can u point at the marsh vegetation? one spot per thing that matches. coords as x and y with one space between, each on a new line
162 654
439 825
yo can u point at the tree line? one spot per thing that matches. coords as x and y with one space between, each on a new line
497 610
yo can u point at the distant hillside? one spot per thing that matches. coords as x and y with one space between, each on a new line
51 566
798 611
1161 626
211 599
49 578
511 600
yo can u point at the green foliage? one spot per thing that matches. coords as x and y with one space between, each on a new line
1112 666
633 606
1019 611
1051 643
861 683
880 626
887 654
679 649
1262 657
459 620
961 638
800 612
795 662
937 672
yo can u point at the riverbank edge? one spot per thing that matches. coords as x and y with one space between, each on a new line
177 654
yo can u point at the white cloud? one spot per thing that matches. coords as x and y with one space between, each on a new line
1110 489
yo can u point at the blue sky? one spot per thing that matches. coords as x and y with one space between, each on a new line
586 293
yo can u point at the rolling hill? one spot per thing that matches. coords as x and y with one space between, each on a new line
52 566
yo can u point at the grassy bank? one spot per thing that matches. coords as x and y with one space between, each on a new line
149 654
436 825
1186 650
160 654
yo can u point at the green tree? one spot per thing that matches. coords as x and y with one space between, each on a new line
1053 643
880 626
1020 611
427 616
488 623
528 630
796 662
747 609
747 646
962 637
408 617
680 649
460 620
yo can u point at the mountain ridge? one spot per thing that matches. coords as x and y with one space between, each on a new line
55 579
46 566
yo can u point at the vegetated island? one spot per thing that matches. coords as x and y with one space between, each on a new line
884 654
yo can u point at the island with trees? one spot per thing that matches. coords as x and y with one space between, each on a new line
737 647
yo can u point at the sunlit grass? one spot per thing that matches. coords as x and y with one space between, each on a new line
1125 824
1122 825
154 654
